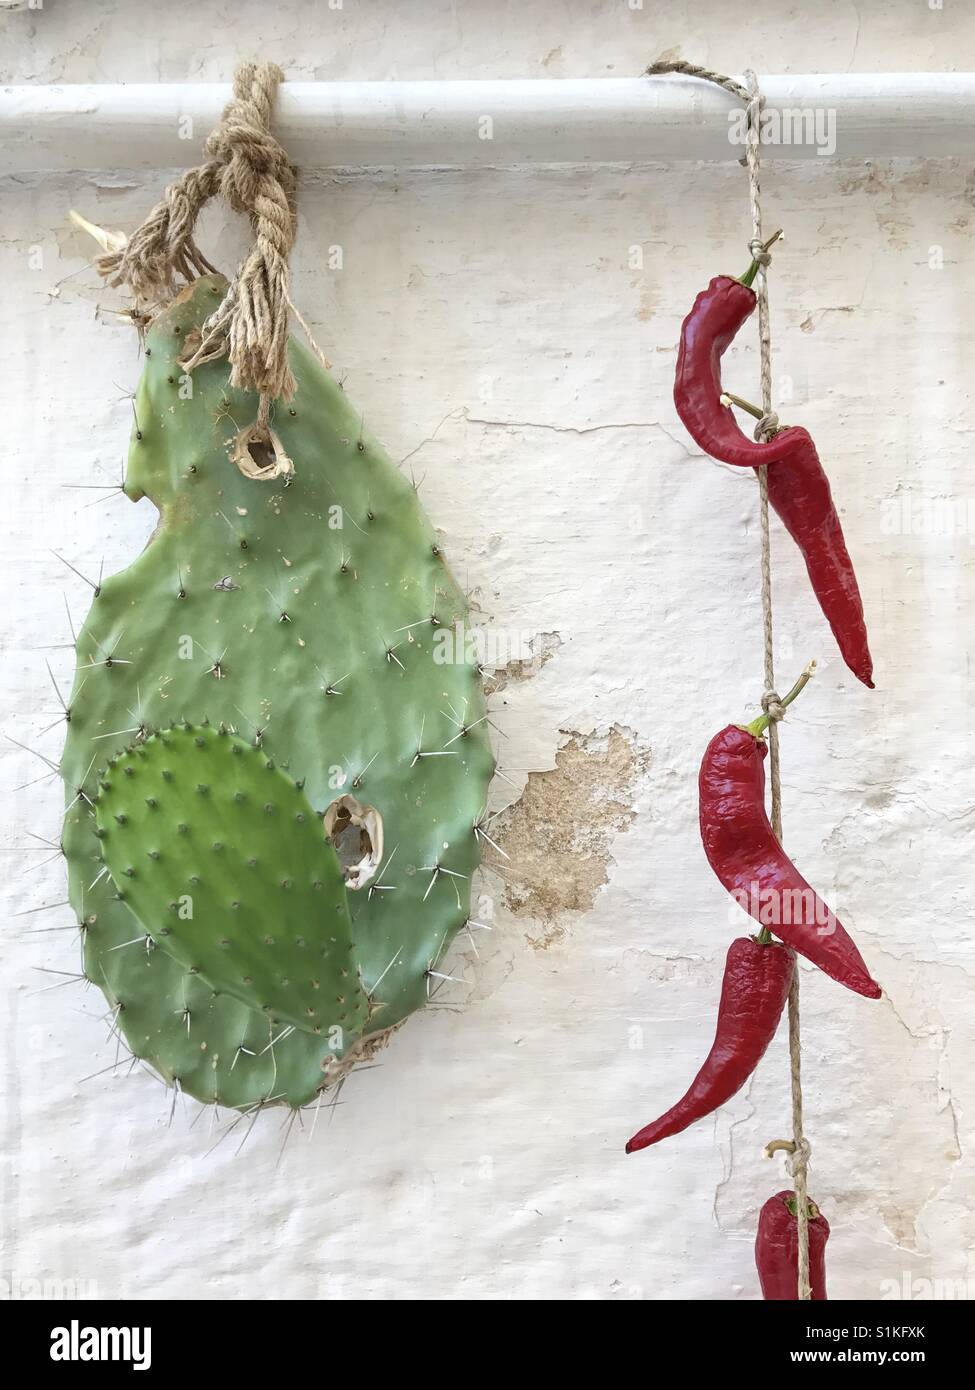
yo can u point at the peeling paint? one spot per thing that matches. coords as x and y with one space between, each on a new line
543 648
558 835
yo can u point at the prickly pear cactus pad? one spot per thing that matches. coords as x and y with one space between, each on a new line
273 782
244 839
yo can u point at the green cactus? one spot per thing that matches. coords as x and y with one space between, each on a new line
301 614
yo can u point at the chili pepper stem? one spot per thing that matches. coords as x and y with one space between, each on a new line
748 278
811 1209
758 726
727 398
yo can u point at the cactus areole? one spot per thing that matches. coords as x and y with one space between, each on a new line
274 780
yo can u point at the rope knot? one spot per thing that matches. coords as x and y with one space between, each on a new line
250 158
248 167
766 426
772 706
758 252
798 1161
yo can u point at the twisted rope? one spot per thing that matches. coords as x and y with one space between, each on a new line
705 74
750 94
247 167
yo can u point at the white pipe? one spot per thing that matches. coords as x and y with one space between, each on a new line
456 124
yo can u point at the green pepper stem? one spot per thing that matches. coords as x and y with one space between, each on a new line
812 1210
748 278
758 726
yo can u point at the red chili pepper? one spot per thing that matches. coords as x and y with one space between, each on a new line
742 850
777 1249
798 487
753 993
799 492
715 318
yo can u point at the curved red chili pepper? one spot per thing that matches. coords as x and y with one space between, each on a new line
798 488
742 850
753 993
777 1249
716 316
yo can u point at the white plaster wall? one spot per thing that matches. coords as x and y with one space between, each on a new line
488 325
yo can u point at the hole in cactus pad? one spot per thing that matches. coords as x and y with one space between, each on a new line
259 454
356 834
262 452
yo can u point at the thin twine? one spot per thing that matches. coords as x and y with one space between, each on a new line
750 95
250 169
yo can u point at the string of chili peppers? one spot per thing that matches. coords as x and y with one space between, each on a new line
742 845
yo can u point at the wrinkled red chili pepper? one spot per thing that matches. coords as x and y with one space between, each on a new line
753 994
799 490
742 850
777 1249
715 318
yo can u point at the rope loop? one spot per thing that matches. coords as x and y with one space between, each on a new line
248 168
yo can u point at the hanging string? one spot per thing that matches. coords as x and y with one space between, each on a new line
750 94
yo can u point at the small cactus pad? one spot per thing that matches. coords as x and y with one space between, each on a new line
224 862
314 616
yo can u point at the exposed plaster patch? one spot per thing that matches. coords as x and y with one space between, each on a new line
868 179
558 833
543 648
645 967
